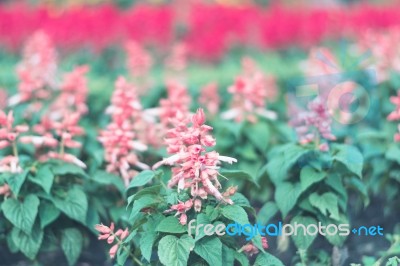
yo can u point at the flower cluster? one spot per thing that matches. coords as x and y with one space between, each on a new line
113 238
37 70
314 124
250 92
119 138
8 138
209 98
60 124
139 61
178 102
194 167
395 115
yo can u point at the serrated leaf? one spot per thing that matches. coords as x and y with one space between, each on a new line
238 175
350 157
267 212
170 224
235 213
68 169
71 244
286 196
326 202
143 178
173 251
241 258
146 244
15 181
228 256
28 244
47 213
44 178
283 159
21 214
210 249
259 135
309 176
264 259
74 205
106 178
302 239
143 202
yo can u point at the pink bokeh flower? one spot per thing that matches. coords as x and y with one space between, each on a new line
251 91
250 249
209 98
139 61
37 70
194 167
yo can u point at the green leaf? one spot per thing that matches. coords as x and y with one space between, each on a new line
326 202
283 159
74 205
173 251
44 178
152 191
302 239
143 202
351 157
68 169
71 244
228 256
22 214
286 196
264 259
309 176
336 239
171 224
143 178
16 181
47 213
28 244
200 219
240 199
239 175
241 258
393 153
267 212
235 213
259 135
146 244
122 256
106 178
210 249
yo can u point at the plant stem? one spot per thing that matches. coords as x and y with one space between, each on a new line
15 150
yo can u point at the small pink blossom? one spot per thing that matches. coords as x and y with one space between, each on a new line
5 190
107 233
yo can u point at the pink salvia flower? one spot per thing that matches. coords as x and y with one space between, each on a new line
139 61
193 167
314 124
119 139
37 70
209 98
251 90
